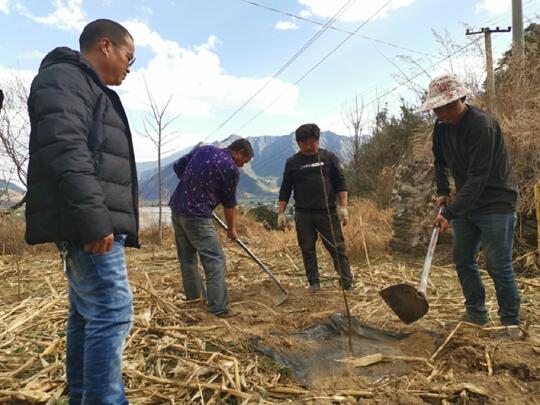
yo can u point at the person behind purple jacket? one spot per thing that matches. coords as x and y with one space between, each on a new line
208 177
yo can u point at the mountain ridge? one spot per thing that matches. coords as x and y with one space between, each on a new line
259 179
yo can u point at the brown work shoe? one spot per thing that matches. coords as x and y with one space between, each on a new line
225 314
509 332
466 317
315 287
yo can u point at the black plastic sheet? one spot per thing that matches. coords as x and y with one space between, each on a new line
314 351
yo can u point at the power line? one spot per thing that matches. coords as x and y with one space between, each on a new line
334 28
458 50
500 17
422 72
316 65
266 161
287 64
384 82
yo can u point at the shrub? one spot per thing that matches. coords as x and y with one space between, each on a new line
264 215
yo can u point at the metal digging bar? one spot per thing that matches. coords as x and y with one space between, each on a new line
279 300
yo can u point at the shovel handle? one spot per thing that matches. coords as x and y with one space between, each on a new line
429 257
251 254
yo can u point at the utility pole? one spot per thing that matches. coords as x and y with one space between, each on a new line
492 99
518 47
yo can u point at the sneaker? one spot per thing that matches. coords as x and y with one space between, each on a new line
315 287
466 317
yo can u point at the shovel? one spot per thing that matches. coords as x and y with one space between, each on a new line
408 302
279 300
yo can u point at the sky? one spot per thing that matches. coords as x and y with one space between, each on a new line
264 67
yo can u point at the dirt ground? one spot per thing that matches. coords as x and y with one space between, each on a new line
178 353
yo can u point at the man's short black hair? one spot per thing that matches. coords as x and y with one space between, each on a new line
242 145
102 28
306 131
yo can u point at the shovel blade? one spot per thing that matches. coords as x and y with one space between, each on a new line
406 301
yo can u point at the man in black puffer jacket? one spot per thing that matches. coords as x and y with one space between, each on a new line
82 195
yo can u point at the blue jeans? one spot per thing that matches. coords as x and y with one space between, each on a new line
495 233
197 236
99 319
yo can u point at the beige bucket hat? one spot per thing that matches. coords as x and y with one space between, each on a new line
443 90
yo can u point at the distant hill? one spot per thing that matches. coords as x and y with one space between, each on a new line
13 195
259 179
11 186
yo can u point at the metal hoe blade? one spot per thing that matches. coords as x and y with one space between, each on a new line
279 300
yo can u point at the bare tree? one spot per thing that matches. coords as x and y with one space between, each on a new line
352 116
156 123
14 131
461 59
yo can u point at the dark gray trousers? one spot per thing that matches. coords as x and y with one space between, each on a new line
308 224
197 238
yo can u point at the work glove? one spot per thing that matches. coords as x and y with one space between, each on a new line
281 221
343 214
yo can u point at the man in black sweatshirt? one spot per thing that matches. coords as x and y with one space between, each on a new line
468 142
316 179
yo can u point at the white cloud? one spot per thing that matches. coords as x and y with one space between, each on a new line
359 11
196 79
67 15
286 25
209 45
494 6
4 6
35 54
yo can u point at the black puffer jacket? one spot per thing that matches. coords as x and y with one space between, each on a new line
82 179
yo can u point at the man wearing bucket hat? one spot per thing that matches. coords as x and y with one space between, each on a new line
468 142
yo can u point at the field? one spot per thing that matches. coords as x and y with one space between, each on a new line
177 353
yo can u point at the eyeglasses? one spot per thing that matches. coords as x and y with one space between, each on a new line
131 60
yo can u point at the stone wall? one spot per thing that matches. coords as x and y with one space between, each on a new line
413 199
413 202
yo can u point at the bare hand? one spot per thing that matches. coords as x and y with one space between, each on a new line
100 246
442 222
231 234
443 200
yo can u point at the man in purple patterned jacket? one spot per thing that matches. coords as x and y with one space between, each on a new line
208 177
